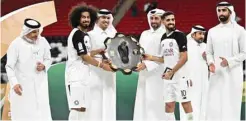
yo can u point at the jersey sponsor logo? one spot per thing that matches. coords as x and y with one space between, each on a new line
168 52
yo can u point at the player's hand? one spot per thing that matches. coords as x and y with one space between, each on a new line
106 61
212 68
18 89
167 75
140 67
40 66
224 62
97 51
106 67
147 57
204 55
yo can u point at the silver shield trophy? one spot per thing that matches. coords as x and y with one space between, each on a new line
124 52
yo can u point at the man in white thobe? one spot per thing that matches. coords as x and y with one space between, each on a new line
28 60
149 97
198 71
226 51
103 85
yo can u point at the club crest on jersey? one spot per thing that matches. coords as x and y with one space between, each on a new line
170 44
76 102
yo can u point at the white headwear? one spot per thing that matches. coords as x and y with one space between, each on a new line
231 8
29 26
156 11
235 47
196 28
105 12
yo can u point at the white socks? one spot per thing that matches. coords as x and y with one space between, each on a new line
189 116
170 116
76 115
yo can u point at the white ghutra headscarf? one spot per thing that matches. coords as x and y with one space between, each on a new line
29 26
196 28
105 12
231 8
156 11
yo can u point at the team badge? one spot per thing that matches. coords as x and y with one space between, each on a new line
170 44
76 102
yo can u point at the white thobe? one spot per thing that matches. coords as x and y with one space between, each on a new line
226 84
22 58
198 73
149 103
103 84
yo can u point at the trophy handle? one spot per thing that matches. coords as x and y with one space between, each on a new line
134 68
114 68
103 56
125 72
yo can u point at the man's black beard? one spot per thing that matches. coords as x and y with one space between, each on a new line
83 26
199 41
224 18
155 28
171 29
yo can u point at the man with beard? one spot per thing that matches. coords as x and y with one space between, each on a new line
28 61
77 71
199 71
103 85
226 52
149 104
174 56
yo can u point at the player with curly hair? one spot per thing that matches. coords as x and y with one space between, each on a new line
82 17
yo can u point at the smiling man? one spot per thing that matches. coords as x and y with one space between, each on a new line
28 60
174 52
174 55
149 97
77 76
103 85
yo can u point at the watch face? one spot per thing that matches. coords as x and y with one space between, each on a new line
124 52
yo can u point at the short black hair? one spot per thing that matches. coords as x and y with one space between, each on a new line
167 13
75 14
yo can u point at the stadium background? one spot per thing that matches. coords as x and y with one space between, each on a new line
130 19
